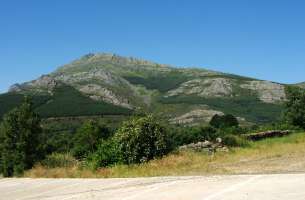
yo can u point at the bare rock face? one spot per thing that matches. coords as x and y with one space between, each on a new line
43 84
97 92
268 92
15 88
94 74
195 115
211 87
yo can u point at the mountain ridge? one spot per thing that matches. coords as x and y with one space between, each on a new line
190 95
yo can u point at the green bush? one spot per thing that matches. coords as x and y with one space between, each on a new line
87 138
58 141
224 121
55 160
142 139
295 107
106 154
234 141
186 135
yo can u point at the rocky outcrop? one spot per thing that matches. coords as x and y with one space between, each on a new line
206 146
93 75
43 84
104 77
208 87
15 88
267 91
266 134
198 115
97 92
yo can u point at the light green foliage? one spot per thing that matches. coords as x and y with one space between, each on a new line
56 160
20 140
142 139
234 141
107 154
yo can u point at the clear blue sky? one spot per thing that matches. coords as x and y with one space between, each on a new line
258 38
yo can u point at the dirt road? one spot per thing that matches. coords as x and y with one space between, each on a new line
246 187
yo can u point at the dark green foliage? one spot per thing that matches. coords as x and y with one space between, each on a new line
186 135
162 82
250 108
10 101
295 107
58 142
67 101
107 154
20 140
224 121
88 137
142 139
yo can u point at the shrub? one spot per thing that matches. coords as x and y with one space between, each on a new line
142 139
106 154
224 121
186 135
234 141
58 141
59 160
88 137
295 107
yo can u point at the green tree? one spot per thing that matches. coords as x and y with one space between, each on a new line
20 140
87 138
224 121
141 139
295 107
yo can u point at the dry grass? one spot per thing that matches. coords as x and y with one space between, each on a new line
276 155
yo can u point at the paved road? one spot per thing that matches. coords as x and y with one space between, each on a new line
245 187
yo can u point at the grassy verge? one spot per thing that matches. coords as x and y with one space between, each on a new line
274 155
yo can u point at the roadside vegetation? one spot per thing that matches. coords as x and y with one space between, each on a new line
274 155
144 145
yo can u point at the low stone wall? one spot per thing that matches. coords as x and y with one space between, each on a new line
266 134
205 146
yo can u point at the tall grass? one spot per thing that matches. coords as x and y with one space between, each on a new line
59 160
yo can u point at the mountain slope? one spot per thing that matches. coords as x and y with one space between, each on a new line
302 85
102 84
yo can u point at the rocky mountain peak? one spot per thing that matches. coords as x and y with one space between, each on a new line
191 94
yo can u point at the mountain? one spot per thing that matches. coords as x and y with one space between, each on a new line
302 85
109 84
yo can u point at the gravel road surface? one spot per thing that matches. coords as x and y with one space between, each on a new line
245 187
